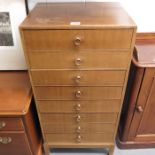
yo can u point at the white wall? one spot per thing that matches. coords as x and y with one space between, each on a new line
142 11
12 58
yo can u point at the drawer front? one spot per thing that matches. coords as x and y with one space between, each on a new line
78 93
78 128
79 106
78 39
14 144
84 78
79 60
11 124
80 118
83 138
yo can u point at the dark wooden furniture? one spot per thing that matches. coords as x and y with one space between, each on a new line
18 133
78 56
137 127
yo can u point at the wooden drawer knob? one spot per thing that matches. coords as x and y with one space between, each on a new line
78 94
78 107
78 118
2 124
77 41
78 130
5 140
78 139
78 61
77 79
139 109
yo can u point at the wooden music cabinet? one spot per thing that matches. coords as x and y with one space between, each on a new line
18 131
137 127
78 56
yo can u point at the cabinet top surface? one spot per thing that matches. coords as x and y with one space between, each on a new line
144 54
15 93
77 16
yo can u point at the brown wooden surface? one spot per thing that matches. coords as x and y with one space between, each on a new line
102 39
145 54
89 60
69 93
139 131
84 118
15 112
103 42
18 146
91 128
73 106
87 78
85 138
15 93
142 121
106 15
11 124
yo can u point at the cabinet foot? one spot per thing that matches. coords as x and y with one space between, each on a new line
111 150
46 149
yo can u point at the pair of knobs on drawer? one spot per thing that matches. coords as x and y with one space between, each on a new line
77 43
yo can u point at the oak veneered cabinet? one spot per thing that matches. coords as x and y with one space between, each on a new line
78 55
137 129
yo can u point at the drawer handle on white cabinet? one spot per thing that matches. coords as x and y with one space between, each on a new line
5 140
2 124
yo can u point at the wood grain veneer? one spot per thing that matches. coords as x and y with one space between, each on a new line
98 49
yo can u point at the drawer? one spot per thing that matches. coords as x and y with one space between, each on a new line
11 124
83 138
14 144
80 118
77 39
78 93
78 128
91 106
82 78
79 60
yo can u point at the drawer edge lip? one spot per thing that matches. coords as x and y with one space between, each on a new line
37 51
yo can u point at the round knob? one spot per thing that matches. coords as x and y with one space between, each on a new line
77 41
78 139
78 118
5 140
78 107
78 130
77 79
2 124
78 61
139 109
78 94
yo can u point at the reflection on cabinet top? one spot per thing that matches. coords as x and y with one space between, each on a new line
15 93
78 16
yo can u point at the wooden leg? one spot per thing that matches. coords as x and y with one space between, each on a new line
46 149
111 150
